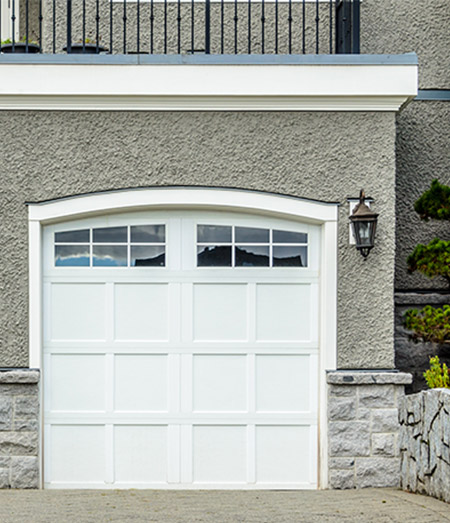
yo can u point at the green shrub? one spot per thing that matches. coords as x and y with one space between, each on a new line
432 259
429 324
436 376
434 203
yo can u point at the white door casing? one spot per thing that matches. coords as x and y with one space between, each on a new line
189 422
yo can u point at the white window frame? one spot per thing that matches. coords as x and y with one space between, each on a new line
291 208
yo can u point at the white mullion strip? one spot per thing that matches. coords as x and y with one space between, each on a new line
129 246
186 454
109 454
233 247
47 473
110 299
174 378
47 320
173 454
187 313
270 247
186 383
251 384
251 454
251 312
313 455
175 313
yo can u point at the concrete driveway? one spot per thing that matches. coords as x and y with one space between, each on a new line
378 505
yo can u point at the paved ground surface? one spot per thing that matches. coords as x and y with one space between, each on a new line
378 505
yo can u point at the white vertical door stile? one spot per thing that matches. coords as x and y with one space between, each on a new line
181 376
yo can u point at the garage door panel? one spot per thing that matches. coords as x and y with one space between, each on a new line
140 454
78 453
78 311
141 311
148 375
77 383
283 383
219 383
220 312
219 454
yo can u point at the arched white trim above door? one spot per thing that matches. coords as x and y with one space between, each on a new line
296 209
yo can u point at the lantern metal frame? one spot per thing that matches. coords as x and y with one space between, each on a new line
363 216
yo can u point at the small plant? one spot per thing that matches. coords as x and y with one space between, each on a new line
429 324
436 376
434 203
432 259
22 40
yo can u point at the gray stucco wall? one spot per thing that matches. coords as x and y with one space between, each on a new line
327 156
423 130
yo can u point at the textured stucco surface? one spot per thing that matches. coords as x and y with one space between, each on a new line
395 27
422 150
327 156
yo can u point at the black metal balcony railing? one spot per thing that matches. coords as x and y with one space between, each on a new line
182 26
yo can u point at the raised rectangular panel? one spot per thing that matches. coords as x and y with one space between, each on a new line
140 453
283 312
141 311
282 454
219 454
77 382
78 453
78 311
140 383
219 383
283 383
220 312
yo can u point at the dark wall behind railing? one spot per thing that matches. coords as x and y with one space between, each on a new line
172 27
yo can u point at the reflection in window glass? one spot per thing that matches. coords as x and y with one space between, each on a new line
72 255
109 256
214 256
110 235
80 236
213 233
289 237
251 235
252 256
290 256
148 233
148 256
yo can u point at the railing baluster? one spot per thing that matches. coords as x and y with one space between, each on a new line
84 26
263 21
54 26
304 26
317 26
179 26
26 25
111 26
97 25
192 27
207 26
152 20
40 26
13 25
165 26
330 14
69 26
138 26
235 27
125 27
249 26
356 27
276 26
290 26
221 25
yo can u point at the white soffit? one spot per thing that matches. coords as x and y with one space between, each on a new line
243 87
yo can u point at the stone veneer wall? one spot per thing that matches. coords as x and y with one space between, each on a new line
19 428
425 443
363 428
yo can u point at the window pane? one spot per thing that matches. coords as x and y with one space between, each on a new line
148 233
72 255
290 257
110 235
252 256
289 237
109 256
81 236
148 256
251 235
214 256
213 233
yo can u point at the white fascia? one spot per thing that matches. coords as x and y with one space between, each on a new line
217 86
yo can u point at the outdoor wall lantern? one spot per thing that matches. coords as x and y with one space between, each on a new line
364 223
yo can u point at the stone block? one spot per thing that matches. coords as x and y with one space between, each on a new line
445 427
26 425
5 413
19 376
363 414
342 479
341 463
342 391
4 478
24 472
377 472
384 445
432 406
18 443
385 420
376 396
349 438
342 409
26 407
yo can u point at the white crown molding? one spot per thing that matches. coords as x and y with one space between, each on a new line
214 87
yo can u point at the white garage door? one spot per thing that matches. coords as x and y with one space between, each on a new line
181 351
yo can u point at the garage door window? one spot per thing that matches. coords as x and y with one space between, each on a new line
230 246
125 246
